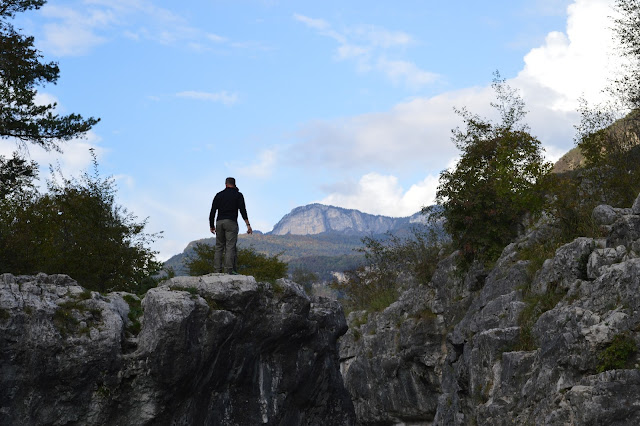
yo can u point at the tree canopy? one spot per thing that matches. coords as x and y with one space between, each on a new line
22 71
76 229
627 29
485 196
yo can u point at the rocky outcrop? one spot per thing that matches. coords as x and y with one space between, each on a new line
318 218
511 345
211 350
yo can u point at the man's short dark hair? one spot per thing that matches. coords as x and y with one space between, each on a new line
230 181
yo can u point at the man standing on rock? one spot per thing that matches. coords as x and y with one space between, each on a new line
227 203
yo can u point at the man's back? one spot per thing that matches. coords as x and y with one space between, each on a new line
227 203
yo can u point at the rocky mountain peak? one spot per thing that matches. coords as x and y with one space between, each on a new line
319 218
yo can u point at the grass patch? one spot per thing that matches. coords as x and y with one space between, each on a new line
85 295
424 314
382 299
362 319
537 254
617 354
356 334
213 305
135 312
535 306
64 319
278 289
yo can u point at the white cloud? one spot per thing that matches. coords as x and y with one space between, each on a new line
417 132
367 46
577 63
379 194
407 72
223 97
413 133
75 159
216 38
381 37
75 32
262 169
77 29
42 98
318 24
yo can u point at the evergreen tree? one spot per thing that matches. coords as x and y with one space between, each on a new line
22 71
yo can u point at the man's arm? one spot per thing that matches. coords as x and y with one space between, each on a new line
212 217
243 212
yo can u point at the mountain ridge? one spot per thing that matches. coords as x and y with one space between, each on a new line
317 218
333 238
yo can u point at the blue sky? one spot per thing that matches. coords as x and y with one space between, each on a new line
347 103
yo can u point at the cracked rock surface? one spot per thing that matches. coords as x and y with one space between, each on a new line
212 350
457 350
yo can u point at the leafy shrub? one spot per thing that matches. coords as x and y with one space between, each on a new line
77 229
135 312
305 278
610 146
495 183
258 265
4 314
617 354
374 286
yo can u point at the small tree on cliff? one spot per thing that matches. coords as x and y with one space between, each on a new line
485 196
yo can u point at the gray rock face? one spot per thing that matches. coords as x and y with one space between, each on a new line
318 218
507 346
212 350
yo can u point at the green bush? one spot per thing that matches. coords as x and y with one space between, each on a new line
261 266
76 228
612 155
374 286
135 312
305 278
484 198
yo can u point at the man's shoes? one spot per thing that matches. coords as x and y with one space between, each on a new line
234 273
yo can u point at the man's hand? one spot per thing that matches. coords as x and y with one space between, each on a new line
249 230
213 230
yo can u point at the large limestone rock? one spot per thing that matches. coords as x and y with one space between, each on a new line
509 345
212 350
318 218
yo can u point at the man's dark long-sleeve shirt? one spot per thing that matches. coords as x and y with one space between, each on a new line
227 202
